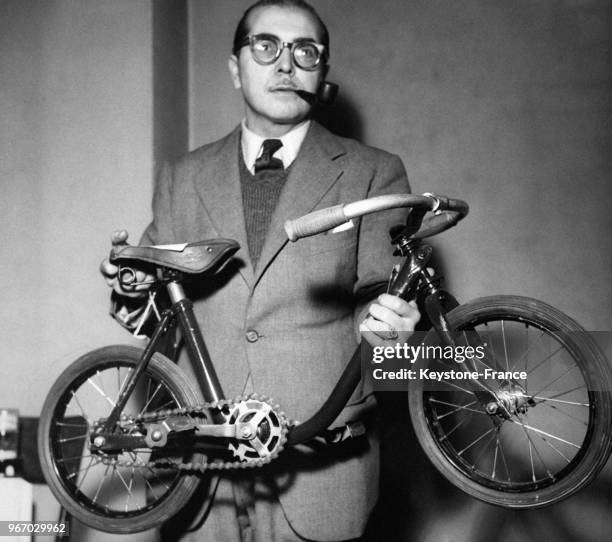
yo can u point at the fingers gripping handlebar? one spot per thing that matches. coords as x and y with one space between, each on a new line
447 212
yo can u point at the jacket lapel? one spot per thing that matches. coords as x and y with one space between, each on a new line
223 201
313 173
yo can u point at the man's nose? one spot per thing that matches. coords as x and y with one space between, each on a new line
284 64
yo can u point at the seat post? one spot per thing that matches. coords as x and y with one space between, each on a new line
194 342
176 292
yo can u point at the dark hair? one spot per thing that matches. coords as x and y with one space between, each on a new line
242 30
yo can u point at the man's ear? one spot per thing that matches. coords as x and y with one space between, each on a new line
234 70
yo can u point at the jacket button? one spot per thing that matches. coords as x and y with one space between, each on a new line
252 336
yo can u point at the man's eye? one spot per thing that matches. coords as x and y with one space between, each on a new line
265 46
307 52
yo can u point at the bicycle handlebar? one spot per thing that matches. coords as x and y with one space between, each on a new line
447 212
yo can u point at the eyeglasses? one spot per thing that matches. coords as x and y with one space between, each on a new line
267 48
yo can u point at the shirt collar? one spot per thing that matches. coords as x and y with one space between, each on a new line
292 141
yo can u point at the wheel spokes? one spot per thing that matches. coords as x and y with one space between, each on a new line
510 449
115 485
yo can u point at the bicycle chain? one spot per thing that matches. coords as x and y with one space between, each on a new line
199 410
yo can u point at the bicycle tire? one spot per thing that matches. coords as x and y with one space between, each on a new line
82 483
554 458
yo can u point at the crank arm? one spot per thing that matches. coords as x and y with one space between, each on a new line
176 424
158 433
216 430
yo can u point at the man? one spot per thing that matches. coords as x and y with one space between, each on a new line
280 319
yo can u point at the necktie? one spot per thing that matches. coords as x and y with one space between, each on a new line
266 160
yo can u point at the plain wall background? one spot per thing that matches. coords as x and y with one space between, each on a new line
506 104
77 162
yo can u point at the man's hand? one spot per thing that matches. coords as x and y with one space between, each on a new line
109 272
390 319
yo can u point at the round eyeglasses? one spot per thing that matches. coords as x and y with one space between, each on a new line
267 48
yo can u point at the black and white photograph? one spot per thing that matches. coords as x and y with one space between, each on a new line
306 270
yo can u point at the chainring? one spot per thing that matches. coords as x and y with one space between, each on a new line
263 427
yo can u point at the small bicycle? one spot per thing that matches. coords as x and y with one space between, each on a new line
124 434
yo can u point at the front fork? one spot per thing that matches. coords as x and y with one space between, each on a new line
412 275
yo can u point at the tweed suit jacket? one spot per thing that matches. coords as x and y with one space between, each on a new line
290 322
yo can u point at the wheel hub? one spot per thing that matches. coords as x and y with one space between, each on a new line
511 399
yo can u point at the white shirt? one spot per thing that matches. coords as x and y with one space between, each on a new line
292 141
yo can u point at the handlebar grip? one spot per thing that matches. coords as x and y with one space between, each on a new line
315 222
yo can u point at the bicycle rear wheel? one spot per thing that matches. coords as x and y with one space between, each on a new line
97 488
547 435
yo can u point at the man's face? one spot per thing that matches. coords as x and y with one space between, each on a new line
271 103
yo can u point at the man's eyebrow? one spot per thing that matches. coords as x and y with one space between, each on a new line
304 38
299 38
307 39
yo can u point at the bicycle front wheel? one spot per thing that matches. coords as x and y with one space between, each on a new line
548 431
109 491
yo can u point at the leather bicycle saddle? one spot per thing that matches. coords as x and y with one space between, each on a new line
193 258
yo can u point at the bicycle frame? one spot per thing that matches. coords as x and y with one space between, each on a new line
181 310
404 283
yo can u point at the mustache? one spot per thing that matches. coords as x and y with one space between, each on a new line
325 94
291 86
285 84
